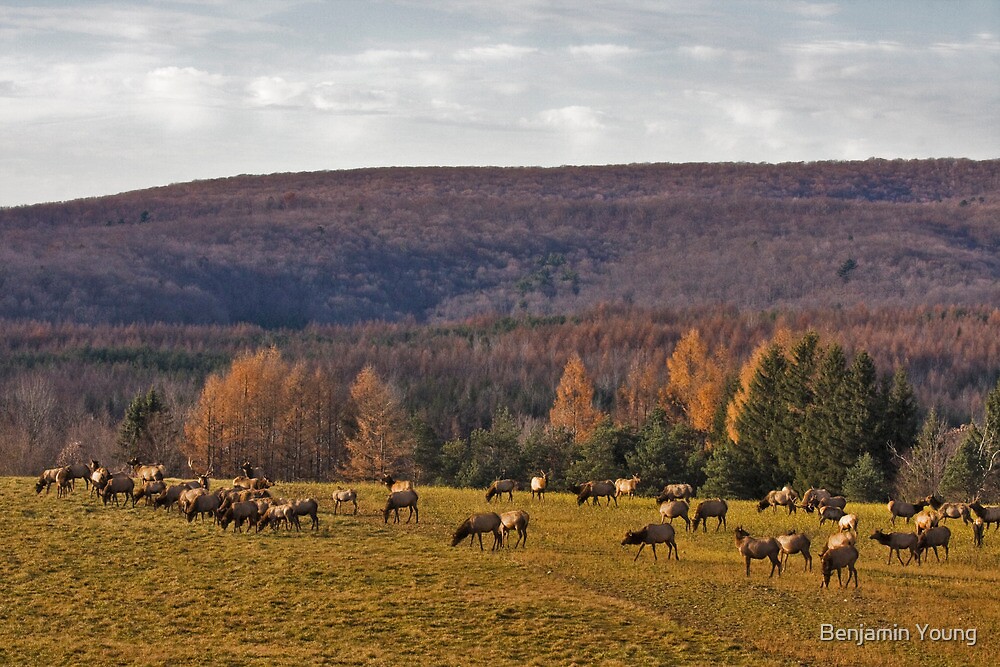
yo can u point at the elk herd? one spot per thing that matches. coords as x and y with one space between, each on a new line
249 505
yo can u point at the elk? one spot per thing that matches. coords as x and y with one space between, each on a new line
538 485
395 485
652 534
64 482
79 471
837 559
146 473
514 520
275 515
785 497
597 490
717 507
398 500
345 496
149 490
795 543
988 515
500 487
673 509
813 498
252 483
46 480
906 510
250 472
170 496
896 542
849 523
238 513
203 477
977 532
839 502
840 539
676 492
627 486
202 503
955 511
933 538
116 485
758 549
306 507
926 520
829 513
476 525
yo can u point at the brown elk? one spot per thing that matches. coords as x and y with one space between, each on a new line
203 477
500 487
306 507
627 486
785 497
955 511
46 480
758 549
898 508
848 522
64 482
837 559
676 492
795 543
932 538
830 513
673 509
398 500
514 520
839 502
653 534
988 515
202 504
926 520
146 473
170 496
345 496
476 525
252 483
538 485
813 498
977 532
395 485
238 513
896 542
597 490
717 507
116 485
150 490
840 539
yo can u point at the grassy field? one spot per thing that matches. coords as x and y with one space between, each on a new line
83 583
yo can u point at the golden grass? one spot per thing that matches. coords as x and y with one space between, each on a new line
82 583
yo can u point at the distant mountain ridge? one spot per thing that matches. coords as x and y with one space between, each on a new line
434 244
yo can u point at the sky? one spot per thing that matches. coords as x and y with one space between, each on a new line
103 97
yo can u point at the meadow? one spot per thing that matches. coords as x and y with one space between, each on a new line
83 583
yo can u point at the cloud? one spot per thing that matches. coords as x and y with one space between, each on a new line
341 98
569 119
496 52
182 84
601 51
274 91
702 52
383 56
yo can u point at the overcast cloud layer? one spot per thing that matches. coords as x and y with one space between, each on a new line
99 98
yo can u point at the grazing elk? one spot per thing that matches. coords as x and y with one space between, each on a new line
398 500
500 487
676 492
988 515
306 507
813 498
171 496
848 523
538 485
514 520
955 511
837 559
627 486
785 497
79 471
673 509
839 502
150 490
597 490
795 543
751 548
64 482
275 515
476 525
830 513
345 496
146 473
653 534
46 480
202 504
840 539
717 507
932 538
926 520
116 485
896 542
898 508
395 485
245 511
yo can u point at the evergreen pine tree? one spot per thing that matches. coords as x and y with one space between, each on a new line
964 473
756 424
865 481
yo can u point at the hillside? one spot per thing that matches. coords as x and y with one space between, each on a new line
442 244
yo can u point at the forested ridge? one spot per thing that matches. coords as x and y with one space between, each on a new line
463 297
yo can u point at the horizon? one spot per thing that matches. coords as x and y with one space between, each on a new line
98 100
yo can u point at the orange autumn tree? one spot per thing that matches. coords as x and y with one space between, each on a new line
381 442
697 380
637 395
573 409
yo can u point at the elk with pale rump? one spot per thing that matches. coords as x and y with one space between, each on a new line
717 507
987 514
476 525
146 473
398 500
837 559
676 492
932 538
395 485
785 497
538 485
627 486
673 509
514 520
758 549
653 534
795 543
345 496
500 487
898 508
597 490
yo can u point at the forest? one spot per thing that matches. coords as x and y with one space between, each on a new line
255 317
